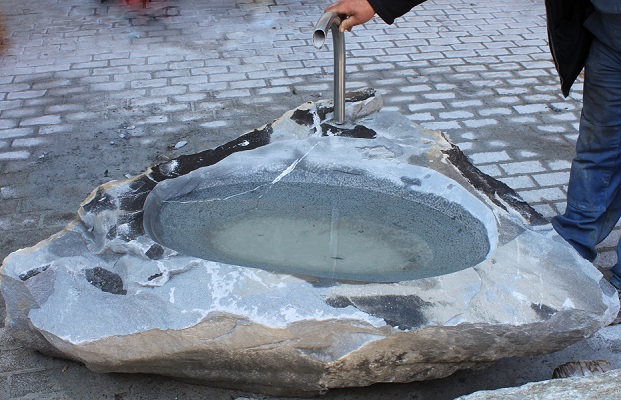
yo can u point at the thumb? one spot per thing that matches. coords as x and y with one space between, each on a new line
345 25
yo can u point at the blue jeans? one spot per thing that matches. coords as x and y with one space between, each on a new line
594 193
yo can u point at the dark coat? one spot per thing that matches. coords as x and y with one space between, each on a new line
388 10
569 40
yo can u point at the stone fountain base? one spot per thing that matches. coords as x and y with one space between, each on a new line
102 292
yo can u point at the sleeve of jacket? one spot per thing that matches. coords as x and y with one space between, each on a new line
388 10
569 40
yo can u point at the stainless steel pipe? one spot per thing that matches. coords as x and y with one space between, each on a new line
332 21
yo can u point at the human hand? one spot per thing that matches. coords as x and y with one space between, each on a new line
357 11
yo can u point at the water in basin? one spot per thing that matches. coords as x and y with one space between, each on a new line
327 231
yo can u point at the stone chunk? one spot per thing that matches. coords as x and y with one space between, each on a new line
106 281
105 293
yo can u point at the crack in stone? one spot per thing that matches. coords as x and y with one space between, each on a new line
292 166
284 173
288 170
478 291
165 275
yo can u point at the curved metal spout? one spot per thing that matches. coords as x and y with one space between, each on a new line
332 21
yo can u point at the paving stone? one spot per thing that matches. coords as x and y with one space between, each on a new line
563 117
14 155
248 83
542 195
15 132
552 179
523 167
23 112
30 142
572 137
441 125
25 94
456 115
495 111
552 128
466 103
523 120
55 129
478 123
505 91
531 108
421 117
426 106
111 86
439 95
173 108
507 99
489 157
168 90
79 116
8 105
559 164
518 182
240 93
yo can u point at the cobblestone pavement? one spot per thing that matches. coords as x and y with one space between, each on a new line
92 91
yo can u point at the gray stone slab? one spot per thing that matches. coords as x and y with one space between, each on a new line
159 309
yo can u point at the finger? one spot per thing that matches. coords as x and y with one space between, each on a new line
349 22
340 8
332 7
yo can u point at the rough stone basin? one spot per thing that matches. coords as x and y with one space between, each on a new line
300 207
420 264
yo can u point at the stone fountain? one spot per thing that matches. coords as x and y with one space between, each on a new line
304 256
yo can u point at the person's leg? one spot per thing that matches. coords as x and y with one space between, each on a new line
594 193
